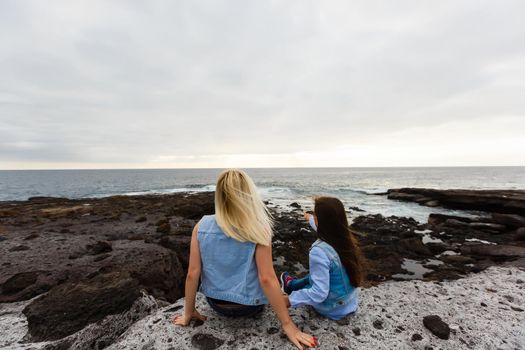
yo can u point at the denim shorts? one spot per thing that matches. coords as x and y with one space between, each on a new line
229 309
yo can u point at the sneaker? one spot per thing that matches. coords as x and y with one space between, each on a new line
285 280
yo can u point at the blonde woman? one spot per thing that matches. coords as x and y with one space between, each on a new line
231 254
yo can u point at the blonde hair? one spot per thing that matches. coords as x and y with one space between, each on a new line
240 211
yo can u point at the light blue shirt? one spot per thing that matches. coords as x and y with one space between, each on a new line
320 285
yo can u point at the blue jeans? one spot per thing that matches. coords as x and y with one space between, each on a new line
299 283
226 308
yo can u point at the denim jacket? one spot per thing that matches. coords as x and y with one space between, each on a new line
341 291
229 271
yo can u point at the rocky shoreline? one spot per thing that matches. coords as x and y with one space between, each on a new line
83 271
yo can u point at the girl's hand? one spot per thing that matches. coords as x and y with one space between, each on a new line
307 216
299 338
184 320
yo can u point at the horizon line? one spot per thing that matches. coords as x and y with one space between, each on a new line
291 167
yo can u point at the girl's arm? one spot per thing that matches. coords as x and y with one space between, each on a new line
270 285
192 283
320 278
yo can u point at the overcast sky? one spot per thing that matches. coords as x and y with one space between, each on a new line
112 84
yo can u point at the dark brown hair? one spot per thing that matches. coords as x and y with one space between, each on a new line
332 227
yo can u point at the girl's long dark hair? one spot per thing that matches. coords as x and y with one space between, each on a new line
332 227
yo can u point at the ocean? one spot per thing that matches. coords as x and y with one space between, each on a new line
356 187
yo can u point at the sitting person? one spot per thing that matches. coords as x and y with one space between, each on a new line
336 273
231 254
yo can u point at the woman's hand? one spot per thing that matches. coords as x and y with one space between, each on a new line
184 320
299 338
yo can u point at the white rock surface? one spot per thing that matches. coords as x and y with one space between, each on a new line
397 307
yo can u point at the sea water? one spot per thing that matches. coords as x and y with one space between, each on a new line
356 187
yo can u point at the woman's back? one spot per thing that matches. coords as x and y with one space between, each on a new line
229 270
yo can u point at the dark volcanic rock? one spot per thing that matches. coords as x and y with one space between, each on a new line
520 234
99 248
510 220
19 282
436 325
157 269
494 250
71 306
500 201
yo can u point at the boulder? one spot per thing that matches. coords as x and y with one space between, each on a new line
71 306
499 201
158 269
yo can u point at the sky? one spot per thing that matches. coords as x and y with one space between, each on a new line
250 83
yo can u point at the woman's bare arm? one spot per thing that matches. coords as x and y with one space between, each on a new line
192 283
270 285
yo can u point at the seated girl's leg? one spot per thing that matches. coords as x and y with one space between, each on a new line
299 283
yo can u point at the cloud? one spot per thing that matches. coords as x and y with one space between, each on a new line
104 83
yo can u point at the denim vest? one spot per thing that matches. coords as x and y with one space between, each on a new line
341 290
229 271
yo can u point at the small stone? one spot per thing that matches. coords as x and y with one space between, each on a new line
516 308
436 325
483 304
357 331
295 205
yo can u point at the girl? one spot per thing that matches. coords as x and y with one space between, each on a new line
335 265
231 255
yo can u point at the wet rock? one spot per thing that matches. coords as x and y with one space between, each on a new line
494 250
499 201
206 341
457 259
71 306
356 209
510 220
438 219
295 205
436 325
488 226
